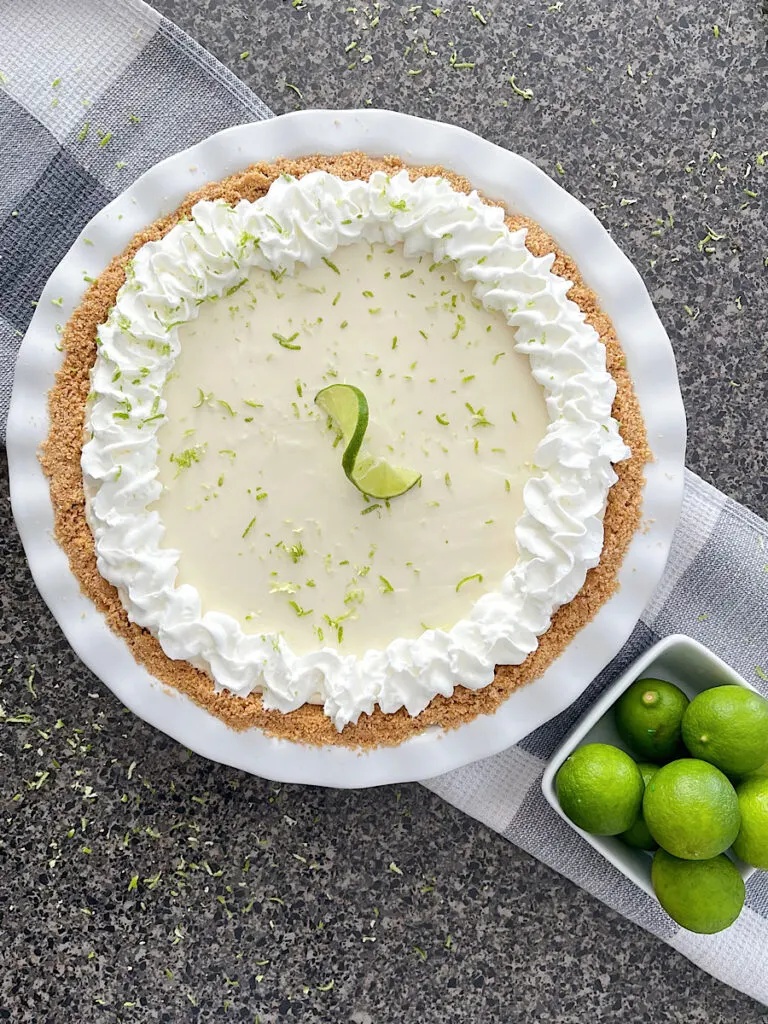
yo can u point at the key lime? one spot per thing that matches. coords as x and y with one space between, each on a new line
691 809
728 726
638 835
648 717
348 408
600 788
751 844
703 896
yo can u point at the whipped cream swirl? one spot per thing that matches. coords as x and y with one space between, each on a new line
559 536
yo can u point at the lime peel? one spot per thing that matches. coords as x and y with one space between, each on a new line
347 407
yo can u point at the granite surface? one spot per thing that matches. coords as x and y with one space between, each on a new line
140 882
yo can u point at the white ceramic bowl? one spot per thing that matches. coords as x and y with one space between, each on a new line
679 660
498 173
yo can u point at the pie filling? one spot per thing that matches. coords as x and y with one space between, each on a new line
268 527
215 486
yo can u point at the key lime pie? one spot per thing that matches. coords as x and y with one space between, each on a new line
337 449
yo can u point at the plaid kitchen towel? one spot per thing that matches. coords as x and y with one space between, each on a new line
91 98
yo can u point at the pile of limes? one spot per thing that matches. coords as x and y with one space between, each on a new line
699 786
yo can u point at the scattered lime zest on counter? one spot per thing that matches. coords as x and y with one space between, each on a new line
406 273
249 527
386 587
507 486
526 94
761 674
475 576
497 357
559 168
442 419
83 132
253 405
460 64
370 508
295 88
104 139
229 452
226 406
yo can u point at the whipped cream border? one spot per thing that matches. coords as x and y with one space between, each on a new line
559 536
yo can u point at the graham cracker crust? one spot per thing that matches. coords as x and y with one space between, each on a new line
60 458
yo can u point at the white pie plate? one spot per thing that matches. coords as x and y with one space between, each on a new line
499 174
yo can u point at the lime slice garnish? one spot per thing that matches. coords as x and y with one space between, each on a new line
348 408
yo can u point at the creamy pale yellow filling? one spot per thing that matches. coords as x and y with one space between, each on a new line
269 528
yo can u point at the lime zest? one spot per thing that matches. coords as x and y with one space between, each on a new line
296 551
475 576
331 265
301 612
286 342
249 527
386 586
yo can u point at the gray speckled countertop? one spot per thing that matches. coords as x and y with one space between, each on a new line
142 883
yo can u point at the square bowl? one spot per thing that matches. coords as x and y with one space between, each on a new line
678 659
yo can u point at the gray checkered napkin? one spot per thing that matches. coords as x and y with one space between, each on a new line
120 68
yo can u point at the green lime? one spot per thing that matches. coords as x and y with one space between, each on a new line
638 835
751 843
600 788
348 408
703 896
648 717
728 726
691 809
